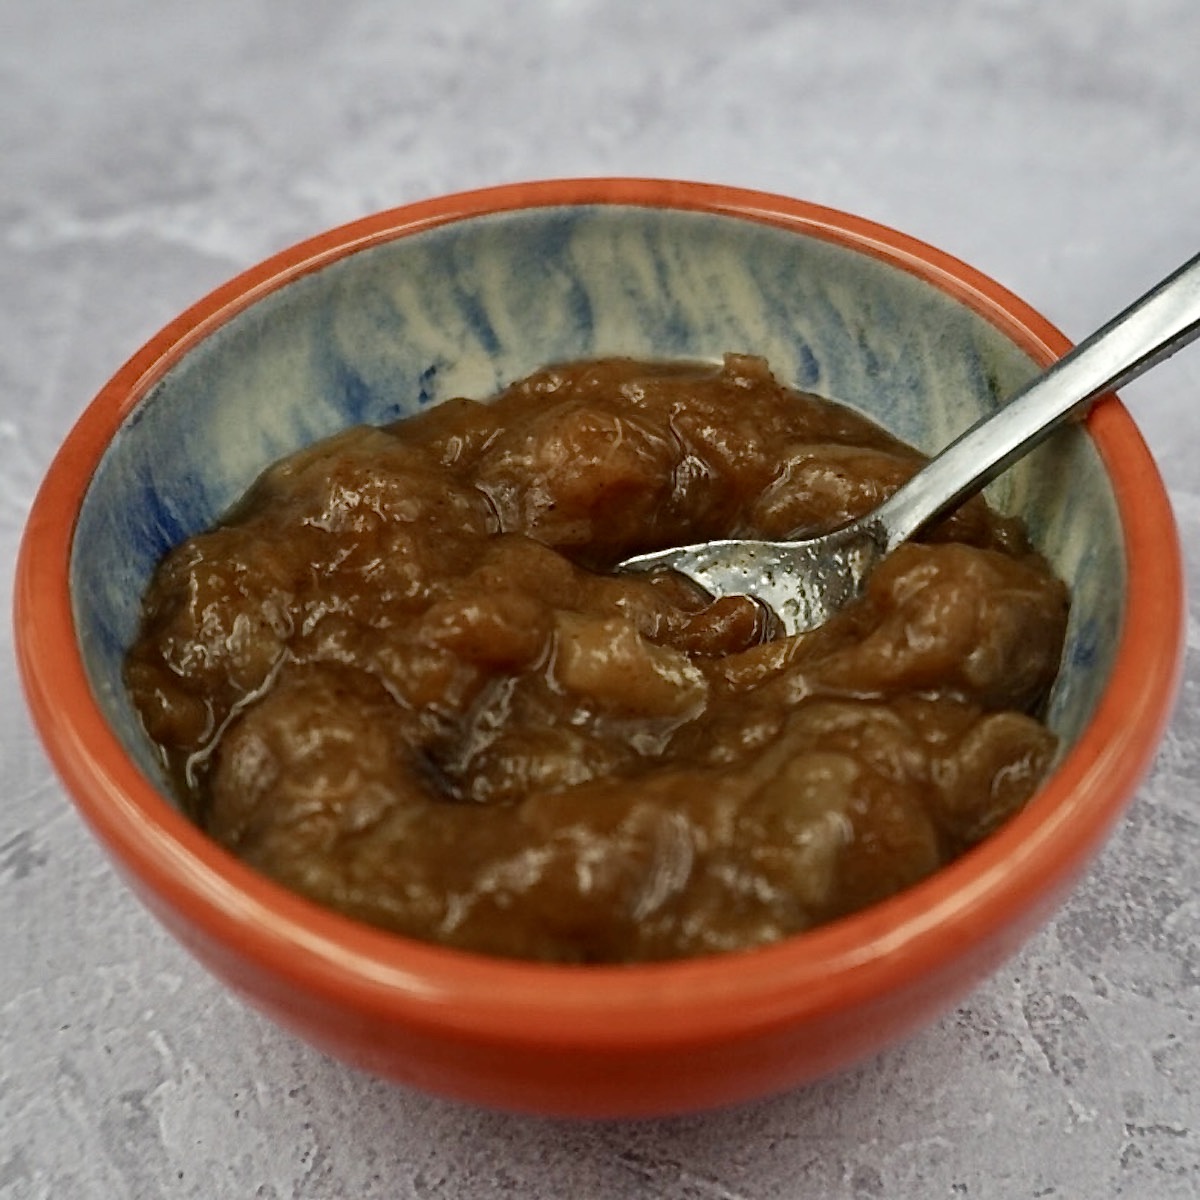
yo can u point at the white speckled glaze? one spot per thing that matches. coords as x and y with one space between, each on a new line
464 308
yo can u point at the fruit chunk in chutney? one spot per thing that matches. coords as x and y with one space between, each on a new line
399 679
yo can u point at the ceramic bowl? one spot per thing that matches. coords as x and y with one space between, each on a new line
459 296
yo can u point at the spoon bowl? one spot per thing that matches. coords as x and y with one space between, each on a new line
806 581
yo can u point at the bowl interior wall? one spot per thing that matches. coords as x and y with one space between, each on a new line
465 308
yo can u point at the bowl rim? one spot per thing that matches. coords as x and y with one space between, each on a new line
964 905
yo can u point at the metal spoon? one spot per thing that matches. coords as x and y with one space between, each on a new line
807 581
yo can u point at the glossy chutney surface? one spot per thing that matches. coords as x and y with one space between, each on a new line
402 679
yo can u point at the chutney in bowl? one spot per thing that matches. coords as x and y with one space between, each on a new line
407 677
459 297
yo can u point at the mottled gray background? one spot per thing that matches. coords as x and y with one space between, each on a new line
150 150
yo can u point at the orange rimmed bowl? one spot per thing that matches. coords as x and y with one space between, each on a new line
458 296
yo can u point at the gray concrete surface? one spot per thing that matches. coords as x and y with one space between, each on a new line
150 151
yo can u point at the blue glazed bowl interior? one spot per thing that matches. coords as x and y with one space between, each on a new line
467 307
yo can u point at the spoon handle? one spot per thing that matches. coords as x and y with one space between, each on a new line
1165 319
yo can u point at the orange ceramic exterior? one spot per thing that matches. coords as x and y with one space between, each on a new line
605 1040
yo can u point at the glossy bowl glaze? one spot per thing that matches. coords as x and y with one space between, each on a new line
459 296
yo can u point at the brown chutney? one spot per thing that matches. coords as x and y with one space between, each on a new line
402 680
